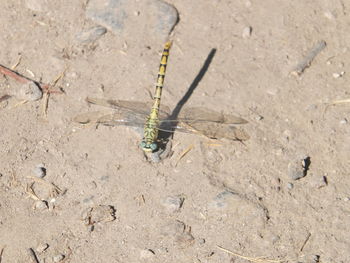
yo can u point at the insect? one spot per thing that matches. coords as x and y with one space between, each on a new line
150 135
195 120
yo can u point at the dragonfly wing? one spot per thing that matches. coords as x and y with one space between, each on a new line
111 119
198 114
116 119
214 130
126 105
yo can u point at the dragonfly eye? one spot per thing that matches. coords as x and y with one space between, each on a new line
148 147
143 144
153 146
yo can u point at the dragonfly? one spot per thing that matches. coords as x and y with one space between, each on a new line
150 135
195 120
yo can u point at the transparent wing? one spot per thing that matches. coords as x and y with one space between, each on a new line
199 114
191 120
213 130
112 119
139 107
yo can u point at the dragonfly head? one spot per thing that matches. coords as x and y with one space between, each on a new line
148 147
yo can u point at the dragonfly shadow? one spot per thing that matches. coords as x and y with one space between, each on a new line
165 132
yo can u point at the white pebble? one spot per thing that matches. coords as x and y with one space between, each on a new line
343 121
41 205
146 253
173 203
58 258
247 32
338 75
39 171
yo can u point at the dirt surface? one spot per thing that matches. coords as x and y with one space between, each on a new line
104 202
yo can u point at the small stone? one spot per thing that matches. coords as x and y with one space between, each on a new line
91 34
41 205
343 121
42 247
147 254
338 75
247 32
259 117
201 241
346 199
156 20
173 203
99 214
297 169
316 258
58 258
290 186
40 171
28 91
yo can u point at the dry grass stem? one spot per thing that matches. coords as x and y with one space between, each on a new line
251 259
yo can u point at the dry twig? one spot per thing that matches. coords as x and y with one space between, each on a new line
189 148
251 259
1 253
33 255
306 61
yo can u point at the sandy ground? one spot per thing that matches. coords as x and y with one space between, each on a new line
104 202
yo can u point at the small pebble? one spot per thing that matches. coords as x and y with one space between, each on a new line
316 258
343 121
146 254
298 168
28 91
42 247
40 171
157 19
290 186
259 117
346 199
41 205
201 241
173 203
247 32
338 75
58 258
